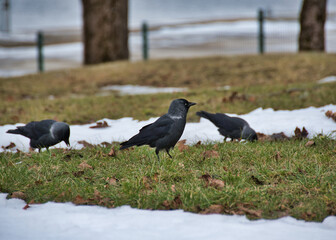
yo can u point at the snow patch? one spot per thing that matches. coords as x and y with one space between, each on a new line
136 89
267 121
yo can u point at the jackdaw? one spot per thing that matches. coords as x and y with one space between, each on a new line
164 132
232 127
45 133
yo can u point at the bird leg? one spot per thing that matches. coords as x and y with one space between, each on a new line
167 150
157 153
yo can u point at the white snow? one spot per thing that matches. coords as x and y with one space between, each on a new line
66 221
136 89
328 79
267 121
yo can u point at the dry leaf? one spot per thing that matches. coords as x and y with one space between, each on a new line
85 143
100 125
26 207
210 154
256 213
216 208
112 181
84 166
300 134
209 181
19 195
147 182
112 153
174 204
79 200
216 183
182 146
331 115
11 145
310 143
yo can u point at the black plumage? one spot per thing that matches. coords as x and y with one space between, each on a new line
165 132
45 133
232 127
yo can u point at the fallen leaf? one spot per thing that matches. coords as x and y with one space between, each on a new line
84 166
100 125
216 183
174 204
182 146
213 209
209 181
210 154
19 195
147 182
11 145
112 181
310 143
112 153
26 207
85 144
79 200
256 213
300 134
331 115
173 188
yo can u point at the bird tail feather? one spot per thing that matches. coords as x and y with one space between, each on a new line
14 131
132 142
204 114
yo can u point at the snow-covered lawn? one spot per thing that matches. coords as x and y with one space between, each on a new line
67 221
267 121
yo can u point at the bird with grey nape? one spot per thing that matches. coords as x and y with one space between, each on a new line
165 132
232 127
45 133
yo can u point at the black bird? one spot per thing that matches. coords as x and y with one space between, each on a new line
232 127
44 134
164 132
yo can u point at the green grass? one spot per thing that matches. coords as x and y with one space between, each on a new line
272 178
261 179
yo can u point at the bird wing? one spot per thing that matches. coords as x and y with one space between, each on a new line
34 130
150 133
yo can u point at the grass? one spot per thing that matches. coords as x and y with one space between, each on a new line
261 179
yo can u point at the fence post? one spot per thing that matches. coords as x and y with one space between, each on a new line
40 57
261 35
5 16
144 41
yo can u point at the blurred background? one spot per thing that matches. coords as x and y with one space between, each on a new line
177 28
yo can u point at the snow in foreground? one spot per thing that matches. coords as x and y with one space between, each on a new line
267 121
68 221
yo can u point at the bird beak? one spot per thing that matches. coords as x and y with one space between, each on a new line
67 143
191 104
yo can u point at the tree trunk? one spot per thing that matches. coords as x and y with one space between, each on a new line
312 20
105 30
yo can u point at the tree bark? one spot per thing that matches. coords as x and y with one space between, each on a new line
312 20
105 30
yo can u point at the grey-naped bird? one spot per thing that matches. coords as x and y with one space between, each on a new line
45 133
232 127
165 132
